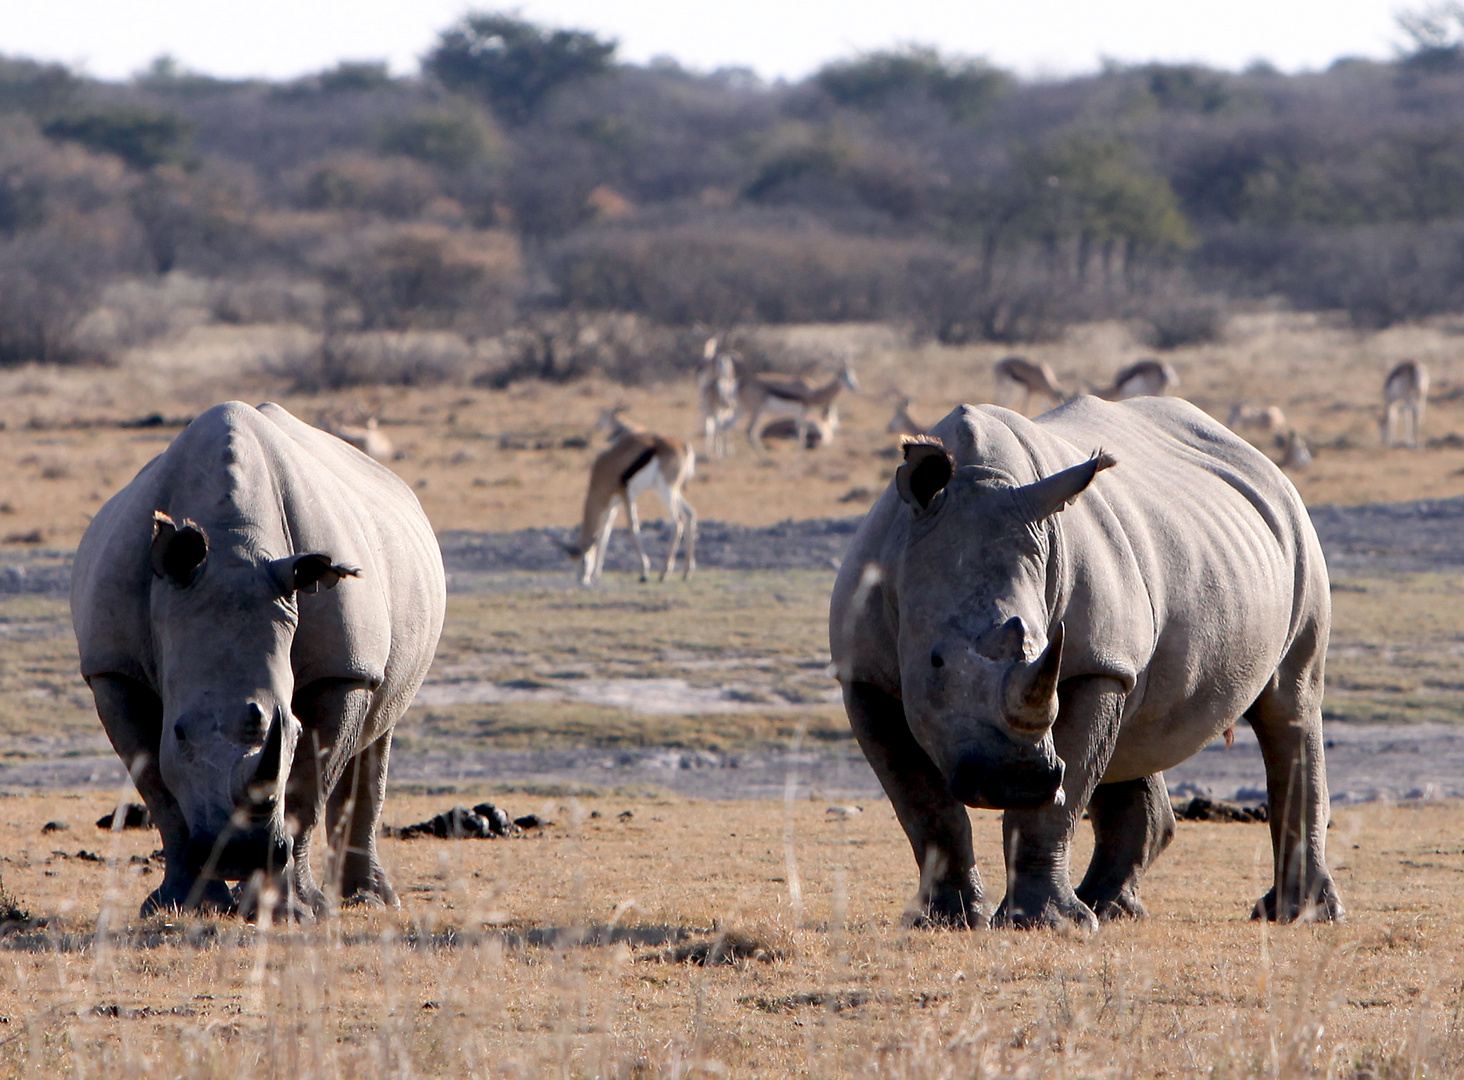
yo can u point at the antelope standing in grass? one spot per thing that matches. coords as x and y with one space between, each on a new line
902 423
1147 378
636 461
365 436
1266 420
1295 454
1015 375
764 396
716 385
1405 396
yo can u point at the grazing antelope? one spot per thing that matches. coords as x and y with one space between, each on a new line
366 436
821 428
1147 378
1015 375
775 395
902 423
1266 420
716 385
635 461
1405 395
1294 452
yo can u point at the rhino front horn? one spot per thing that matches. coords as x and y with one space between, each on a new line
1031 689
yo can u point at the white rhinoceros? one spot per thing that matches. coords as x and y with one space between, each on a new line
254 612
1018 626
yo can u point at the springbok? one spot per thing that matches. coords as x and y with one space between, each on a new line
820 432
365 436
1015 375
635 461
775 395
1147 378
902 423
1294 452
716 385
1405 396
1265 420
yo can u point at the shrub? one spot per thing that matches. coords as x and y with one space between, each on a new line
449 140
394 188
143 138
342 361
423 277
1176 321
50 279
561 346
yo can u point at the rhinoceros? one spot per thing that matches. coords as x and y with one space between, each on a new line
254 612
1021 625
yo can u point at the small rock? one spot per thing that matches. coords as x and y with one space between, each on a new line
531 821
844 813
134 816
55 826
1202 809
498 820
625 815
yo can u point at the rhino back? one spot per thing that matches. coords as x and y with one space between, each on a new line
264 485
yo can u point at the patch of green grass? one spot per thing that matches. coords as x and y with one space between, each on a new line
1397 651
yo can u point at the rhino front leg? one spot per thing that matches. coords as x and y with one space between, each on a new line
133 718
356 804
938 826
1037 842
1133 822
332 714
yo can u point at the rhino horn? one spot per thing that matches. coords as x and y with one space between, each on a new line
1031 689
267 773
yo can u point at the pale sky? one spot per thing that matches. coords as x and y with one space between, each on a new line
776 38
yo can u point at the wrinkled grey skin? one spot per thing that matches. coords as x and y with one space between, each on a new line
251 686
1019 626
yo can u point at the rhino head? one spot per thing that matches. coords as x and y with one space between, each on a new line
980 656
223 627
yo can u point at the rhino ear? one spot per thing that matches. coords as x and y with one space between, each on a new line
307 573
928 468
1054 493
178 551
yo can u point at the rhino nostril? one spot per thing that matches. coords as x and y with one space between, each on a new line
936 660
179 733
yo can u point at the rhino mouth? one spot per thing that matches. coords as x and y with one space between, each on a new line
236 854
1008 781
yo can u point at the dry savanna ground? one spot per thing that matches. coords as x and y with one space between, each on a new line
574 952
493 460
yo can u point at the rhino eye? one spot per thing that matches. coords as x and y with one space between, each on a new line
936 660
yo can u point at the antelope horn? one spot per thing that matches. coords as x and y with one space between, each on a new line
1031 689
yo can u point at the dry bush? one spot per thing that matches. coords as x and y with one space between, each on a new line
271 298
721 275
395 187
136 311
377 358
957 300
561 346
419 276
1172 322
50 280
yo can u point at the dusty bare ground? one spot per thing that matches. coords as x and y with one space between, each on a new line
556 955
497 460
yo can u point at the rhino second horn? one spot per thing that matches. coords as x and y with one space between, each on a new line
1031 689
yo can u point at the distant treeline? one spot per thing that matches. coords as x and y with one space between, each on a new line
527 171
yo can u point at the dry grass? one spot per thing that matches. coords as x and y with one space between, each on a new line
554 955
463 448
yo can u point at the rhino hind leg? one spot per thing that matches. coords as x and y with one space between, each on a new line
132 716
937 826
1133 822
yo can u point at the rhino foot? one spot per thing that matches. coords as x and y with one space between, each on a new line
950 908
1324 906
1125 904
212 897
1034 911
